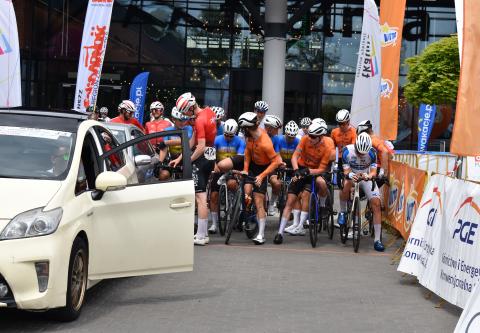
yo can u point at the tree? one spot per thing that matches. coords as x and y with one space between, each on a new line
433 75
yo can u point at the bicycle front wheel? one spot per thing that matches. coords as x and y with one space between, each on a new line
327 214
313 219
234 216
356 225
222 209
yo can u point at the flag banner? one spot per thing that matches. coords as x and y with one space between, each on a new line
366 89
467 118
92 53
443 246
426 120
459 18
138 92
469 321
391 26
10 79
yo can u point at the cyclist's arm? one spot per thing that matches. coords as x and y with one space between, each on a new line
294 160
274 164
162 154
199 149
247 159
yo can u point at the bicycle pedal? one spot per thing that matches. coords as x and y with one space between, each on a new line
334 213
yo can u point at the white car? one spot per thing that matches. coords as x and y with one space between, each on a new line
72 212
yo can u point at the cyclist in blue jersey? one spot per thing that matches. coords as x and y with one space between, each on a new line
220 115
228 146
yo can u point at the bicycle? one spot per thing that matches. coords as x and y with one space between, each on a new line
285 176
226 199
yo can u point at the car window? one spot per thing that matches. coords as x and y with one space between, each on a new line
89 168
143 147
117 160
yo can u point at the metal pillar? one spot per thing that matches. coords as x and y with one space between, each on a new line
273 85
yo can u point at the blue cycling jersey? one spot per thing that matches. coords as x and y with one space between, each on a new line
286 149
220 128
176 150
235 146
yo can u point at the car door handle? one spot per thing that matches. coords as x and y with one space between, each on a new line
181 205
90 213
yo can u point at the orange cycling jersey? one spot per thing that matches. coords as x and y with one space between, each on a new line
259 151
379 146
343 139
315 156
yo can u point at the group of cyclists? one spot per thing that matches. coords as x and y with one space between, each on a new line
251 147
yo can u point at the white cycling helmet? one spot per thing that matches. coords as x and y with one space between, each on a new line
364 126
318 120
219 112
291 129
305 122
261 106
185 102
317 129
230 127
363 144
343 116
104 111
273 121
127 105
156 105
248 119
177 114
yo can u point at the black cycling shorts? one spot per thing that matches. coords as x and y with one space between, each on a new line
201 170
237 161
214 187
301 184
253 171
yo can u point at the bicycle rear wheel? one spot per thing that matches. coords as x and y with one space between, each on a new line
282 200
313 220
356 225
234 216
222 210
327 215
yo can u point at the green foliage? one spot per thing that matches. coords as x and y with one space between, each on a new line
433 75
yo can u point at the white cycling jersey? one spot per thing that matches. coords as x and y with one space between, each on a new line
359 163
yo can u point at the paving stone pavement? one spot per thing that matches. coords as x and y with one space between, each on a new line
269 288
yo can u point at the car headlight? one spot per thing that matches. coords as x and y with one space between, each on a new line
32 223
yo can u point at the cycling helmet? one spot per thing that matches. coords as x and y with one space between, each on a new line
318 120
156 105
273 121
177 114
248 119
317 129
230 127
364 126
127 105
291 129
261 106
219 112
104 111
363 144
305 122
185 102
343 116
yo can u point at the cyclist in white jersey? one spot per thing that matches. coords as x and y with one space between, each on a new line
360 163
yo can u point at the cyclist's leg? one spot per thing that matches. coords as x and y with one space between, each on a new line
344 197
202 169
276 186
374 200
322 190
294 189
214 189
259 198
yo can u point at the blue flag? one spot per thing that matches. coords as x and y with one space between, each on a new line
138 92
426 119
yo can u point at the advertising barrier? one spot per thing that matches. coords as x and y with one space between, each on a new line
401 198
469 321
443 246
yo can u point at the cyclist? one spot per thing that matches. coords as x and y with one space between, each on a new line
344 134
304 123
220 115
227 146
203 157
92 113
261 108
172 145
158 124
285 145
104 114
360 163
272 125
126 109
260 161
311 158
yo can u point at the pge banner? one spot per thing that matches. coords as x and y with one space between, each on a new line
442 250
426 120
10 80
138 91
92 53
403 196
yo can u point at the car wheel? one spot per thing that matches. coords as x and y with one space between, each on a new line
77 281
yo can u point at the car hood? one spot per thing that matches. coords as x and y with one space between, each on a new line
20 195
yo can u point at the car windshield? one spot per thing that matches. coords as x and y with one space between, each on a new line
35 153
119 135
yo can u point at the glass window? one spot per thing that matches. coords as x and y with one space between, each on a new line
341 53
338 83
211 77
123 43
332 103
305 53
115 161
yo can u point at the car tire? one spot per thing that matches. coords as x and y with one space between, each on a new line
77 282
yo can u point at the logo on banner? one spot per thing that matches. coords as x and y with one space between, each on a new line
466 230
138 101
411 207
477 161
400 203
393 195
425 124
386 88
389 35
4 44
93 62
368 58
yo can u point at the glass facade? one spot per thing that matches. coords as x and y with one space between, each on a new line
213 48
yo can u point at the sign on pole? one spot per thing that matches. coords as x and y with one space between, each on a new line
138 92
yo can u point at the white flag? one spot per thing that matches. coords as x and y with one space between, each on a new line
459 17
92 53
366 91
10 80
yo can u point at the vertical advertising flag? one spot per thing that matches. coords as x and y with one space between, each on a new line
10 80
138 92
467 118
391 25
459 18
92 53
366 90
426 120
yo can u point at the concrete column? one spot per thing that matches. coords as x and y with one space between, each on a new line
273 85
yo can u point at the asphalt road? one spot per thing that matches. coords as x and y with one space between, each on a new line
269 288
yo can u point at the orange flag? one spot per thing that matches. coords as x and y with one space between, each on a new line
391 25
467 118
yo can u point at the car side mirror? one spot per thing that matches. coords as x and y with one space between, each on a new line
110 181
142 160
